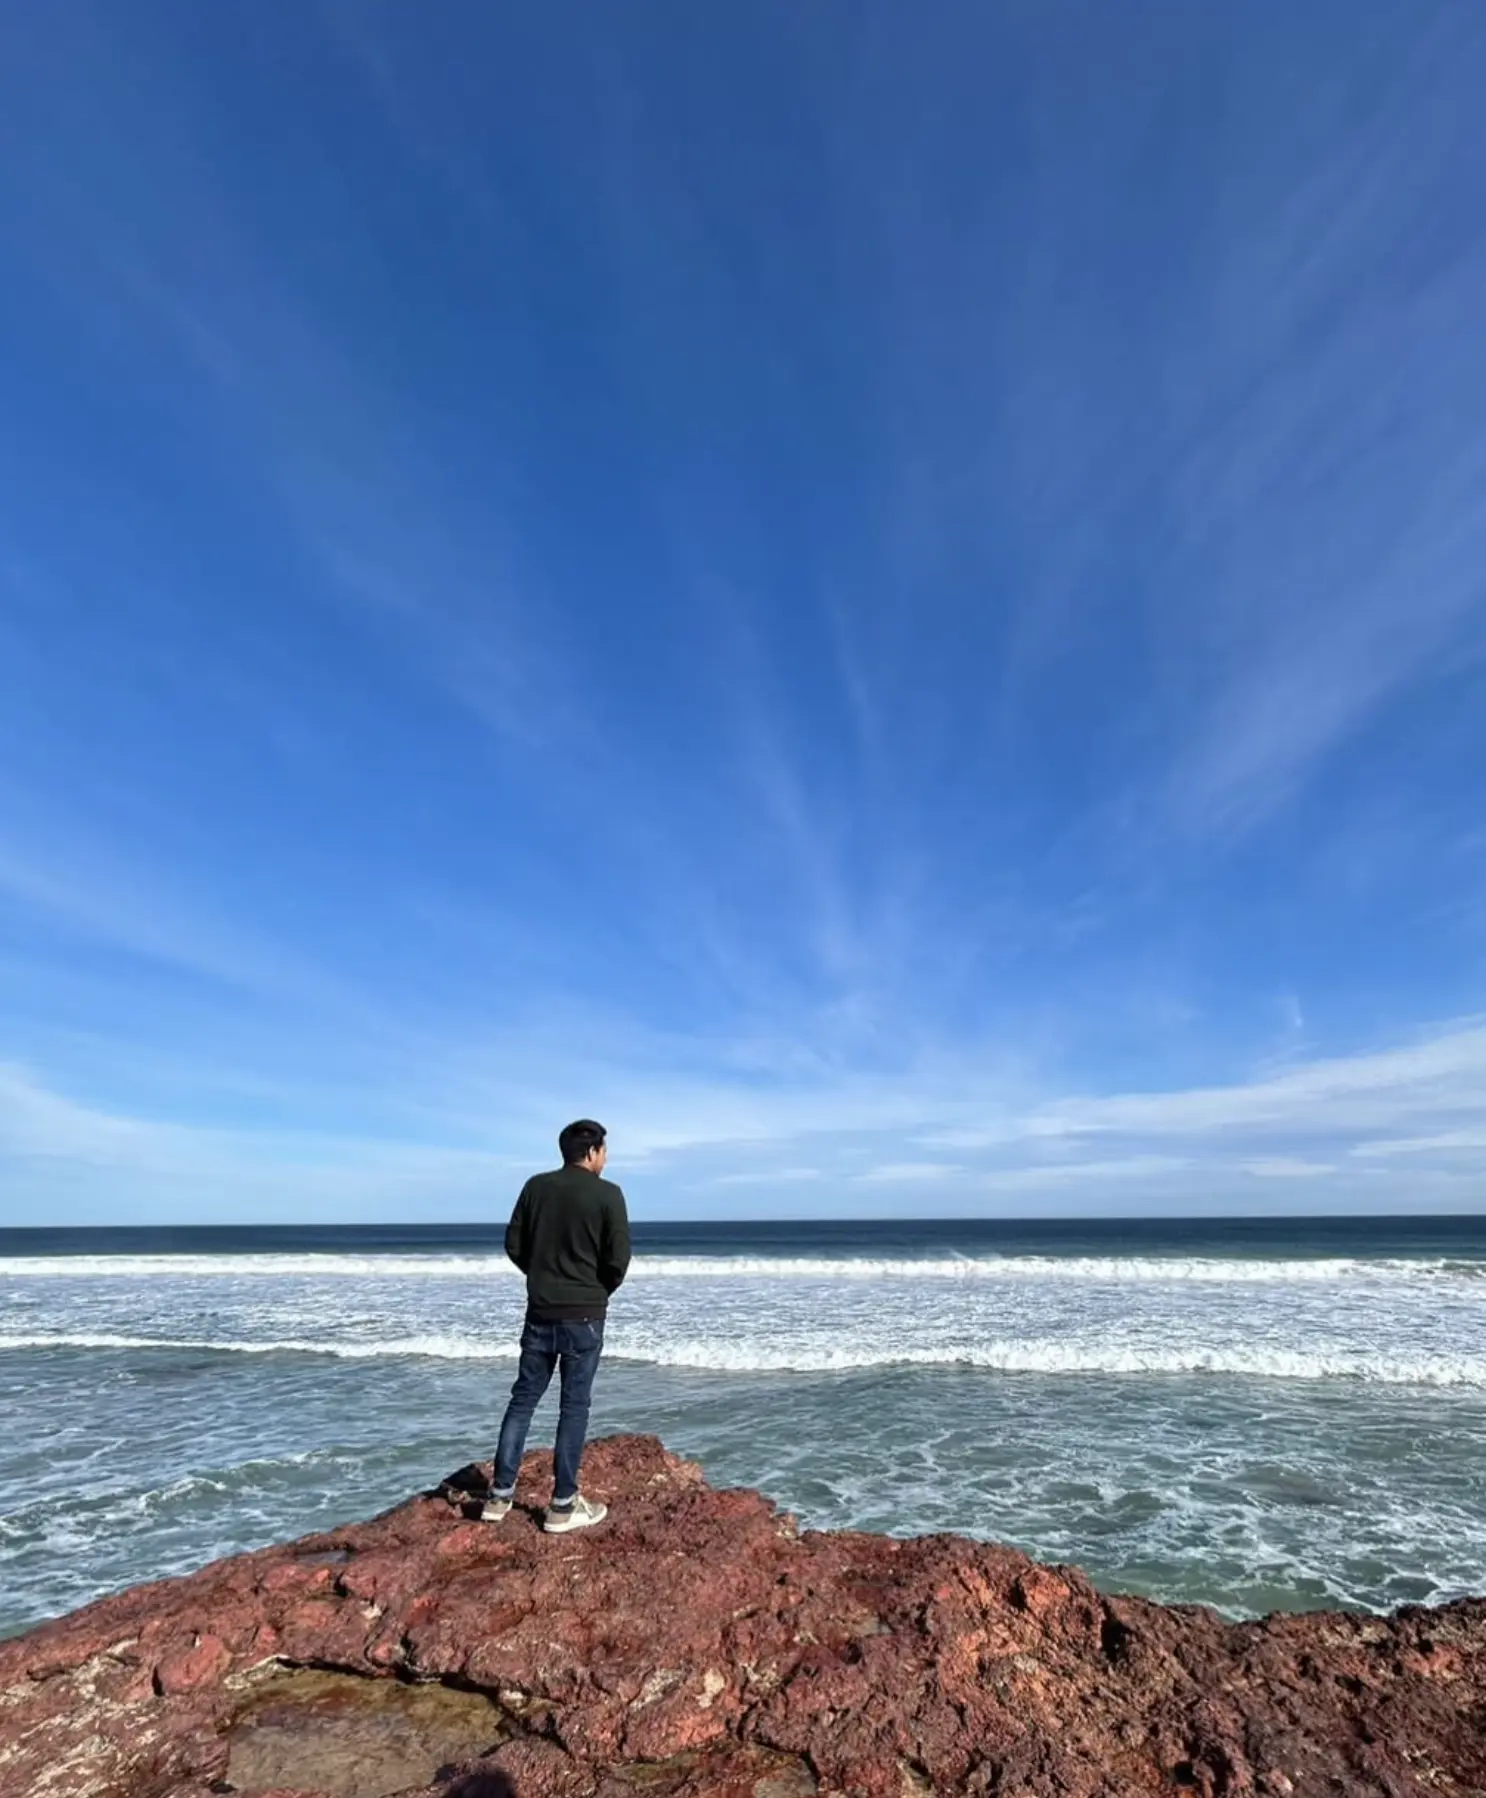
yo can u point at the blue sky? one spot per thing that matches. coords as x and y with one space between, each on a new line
892 602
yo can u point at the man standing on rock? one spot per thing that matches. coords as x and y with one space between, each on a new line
569 1235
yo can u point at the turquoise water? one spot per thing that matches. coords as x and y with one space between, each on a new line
1250 1415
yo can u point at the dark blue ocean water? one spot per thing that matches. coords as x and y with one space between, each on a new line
1251 1413
887 1237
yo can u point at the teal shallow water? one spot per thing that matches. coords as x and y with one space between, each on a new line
1246 1429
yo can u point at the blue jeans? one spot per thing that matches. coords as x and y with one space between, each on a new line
575 1350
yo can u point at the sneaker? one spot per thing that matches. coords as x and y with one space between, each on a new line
576 1516
494 1509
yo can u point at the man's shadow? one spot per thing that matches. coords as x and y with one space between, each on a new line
465 1490
481 1785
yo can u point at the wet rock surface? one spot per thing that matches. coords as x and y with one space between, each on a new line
697 1643
358 1738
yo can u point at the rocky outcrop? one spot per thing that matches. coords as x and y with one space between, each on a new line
698 1643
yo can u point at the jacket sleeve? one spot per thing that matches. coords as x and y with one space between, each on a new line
615 1247
518 1241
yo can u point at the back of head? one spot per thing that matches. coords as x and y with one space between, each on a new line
579 1140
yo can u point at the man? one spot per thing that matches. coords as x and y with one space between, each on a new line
569 1235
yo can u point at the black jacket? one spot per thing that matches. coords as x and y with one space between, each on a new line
569 1235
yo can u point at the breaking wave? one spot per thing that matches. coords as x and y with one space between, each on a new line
1105 1270
1005 1356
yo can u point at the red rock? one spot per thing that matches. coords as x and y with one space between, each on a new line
201 1664
697 1644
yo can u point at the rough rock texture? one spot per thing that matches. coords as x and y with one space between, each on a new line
697 1643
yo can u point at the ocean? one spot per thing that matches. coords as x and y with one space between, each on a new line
1251 1414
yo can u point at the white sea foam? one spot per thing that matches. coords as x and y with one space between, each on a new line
1062 1358
286 1266
1007 1356
1143 1269
440 1348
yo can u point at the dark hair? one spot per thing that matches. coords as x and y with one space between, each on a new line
579 1138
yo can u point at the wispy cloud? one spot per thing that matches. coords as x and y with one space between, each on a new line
1330 495
1287 1167
880 666
74 881
320 432
910 1173
1471 1142
1329 1129
1442 1075
61 1162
